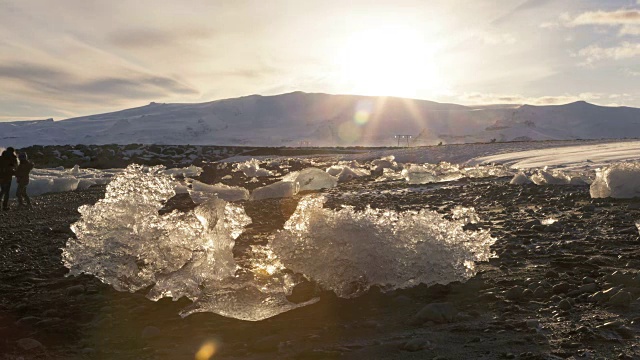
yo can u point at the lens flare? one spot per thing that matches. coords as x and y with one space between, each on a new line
207 350
363 111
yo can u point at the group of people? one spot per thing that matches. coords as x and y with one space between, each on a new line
20 167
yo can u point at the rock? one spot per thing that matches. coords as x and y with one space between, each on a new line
267 344
553 228
565 305
75 290
540 292
150 332
302 292
622 299
561 288
588 288
610 325
532 323
29 344
28 321
514 293
415 345
551 274
632 230
319 355
436 312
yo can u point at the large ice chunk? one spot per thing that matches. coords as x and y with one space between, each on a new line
200 192
520 178
620 180
125 242
348 251
429 173
311 179
345 173
387 162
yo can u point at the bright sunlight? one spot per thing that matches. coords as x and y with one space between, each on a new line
390 61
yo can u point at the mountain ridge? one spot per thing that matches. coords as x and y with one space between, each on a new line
318 119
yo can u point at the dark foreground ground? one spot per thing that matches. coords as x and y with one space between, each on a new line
567 290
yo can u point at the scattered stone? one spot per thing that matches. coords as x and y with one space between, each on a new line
588 288
28 321
436 312
610 325
514 293
565 305
29 344
75 290
561 288
540 292
150 332
622 299
532 323
267 344
415 345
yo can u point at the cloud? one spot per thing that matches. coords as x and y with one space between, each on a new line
153 37
136 87
618 17
628 20
594 53
630 30
52 89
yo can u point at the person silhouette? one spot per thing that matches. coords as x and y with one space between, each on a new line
22 178
8 164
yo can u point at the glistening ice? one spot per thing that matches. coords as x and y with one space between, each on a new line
125 242
349 251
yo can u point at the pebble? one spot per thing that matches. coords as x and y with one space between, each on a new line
588 288
532 323
561 288
28 321
436 312
565 305
622 299
29 344
514 293
540 292
75 290
150 332
267 344
415 345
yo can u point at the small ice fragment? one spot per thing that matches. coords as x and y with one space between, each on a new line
280 189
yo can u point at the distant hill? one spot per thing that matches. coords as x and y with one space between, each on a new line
303 119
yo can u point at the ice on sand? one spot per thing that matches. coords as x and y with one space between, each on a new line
378 247
310 179
620 180
200 192
125 242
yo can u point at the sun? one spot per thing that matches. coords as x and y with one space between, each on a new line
392 60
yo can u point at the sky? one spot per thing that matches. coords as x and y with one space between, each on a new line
67 58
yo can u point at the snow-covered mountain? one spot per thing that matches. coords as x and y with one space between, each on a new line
299 118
